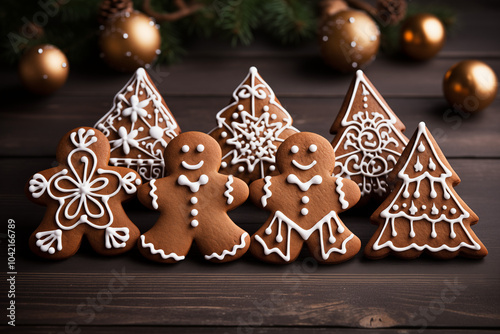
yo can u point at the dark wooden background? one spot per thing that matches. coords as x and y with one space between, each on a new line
196 296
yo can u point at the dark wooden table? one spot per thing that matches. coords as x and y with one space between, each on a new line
195 296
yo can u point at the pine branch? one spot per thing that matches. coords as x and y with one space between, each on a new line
238 18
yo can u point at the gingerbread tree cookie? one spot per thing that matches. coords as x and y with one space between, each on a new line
251 128
139 127
424 213
369 139
83 196
304 200
193 201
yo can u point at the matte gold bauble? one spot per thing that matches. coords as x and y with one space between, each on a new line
129 41
422 36
43 69
349 40
470 85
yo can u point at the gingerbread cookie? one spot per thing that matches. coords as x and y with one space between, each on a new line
369 139
251 128
139 127
304 200
193 201
83 196
424 213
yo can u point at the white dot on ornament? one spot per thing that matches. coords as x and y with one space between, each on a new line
45 76
144 143
64 65
139 155
325 38
119 118
365 105
141 92
404 205
223 164
453 211
223 134
353 44
149 116
160 120
147 66
157 26
156 132
101 27
151 23
365 98
241 169
40 51
240 136
265 108
235 115
185 148
354 64
395 207
128 53
274 116
351 20
125 36
424 207
444 207
127 14
158 51
240 107
373 38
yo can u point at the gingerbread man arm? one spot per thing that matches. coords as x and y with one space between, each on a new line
236 192
148 195
348 193
37 187
260 194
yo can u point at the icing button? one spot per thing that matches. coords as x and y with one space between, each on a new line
194 223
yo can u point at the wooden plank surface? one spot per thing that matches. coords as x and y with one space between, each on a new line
301 297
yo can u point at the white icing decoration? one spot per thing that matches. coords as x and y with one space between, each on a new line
255 140
85 187
116 237
304 186
47 238
432 165
230 253
294 149
223 164
185 148
305 199
267 192
421 147
223 134
227 193
194 200
194 212
453 211
418 166
272 168
125 122
313 148
304 211
194 223
303 167
154 197
241 169
192 167
193 186
413 209
369 135
160 251
338 189
447 194
305 234
200 148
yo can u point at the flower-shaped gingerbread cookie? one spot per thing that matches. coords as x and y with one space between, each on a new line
193 201
304 200
83 196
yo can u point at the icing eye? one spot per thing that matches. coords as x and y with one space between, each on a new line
200 148
313 148
294 149
185 148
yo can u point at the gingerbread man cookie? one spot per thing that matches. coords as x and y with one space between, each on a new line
304 200
83 196
193 201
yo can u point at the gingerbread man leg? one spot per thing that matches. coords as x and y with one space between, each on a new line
167 245
333 244
222 242
50 241
276 242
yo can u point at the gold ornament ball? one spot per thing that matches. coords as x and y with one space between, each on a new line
43 69
422 36
129 40
349 40
470 86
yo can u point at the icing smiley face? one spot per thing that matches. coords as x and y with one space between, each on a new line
190 155
308 152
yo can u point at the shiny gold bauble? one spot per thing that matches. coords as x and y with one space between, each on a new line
129 41
43 69
470 85
349 40
422 36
